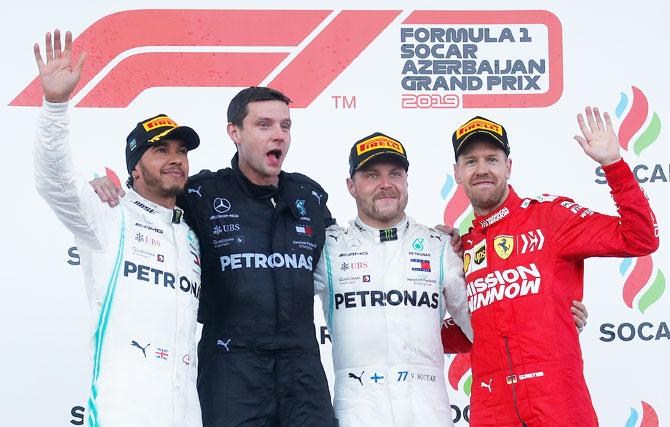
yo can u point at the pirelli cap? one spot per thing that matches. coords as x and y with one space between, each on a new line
153 130
376 146
476 129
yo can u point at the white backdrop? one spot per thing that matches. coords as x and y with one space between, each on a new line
346 72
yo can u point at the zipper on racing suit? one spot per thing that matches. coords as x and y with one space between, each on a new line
511 379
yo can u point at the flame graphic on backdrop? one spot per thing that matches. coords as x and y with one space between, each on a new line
649 417
113 176
458 206
109 173
638 273
634 120
459 367
458 214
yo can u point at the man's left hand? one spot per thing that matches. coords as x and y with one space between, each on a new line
599 141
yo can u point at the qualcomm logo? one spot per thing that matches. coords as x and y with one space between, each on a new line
642 288
457 212
649 417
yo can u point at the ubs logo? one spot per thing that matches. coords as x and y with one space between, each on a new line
141 238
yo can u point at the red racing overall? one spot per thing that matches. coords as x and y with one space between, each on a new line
524 265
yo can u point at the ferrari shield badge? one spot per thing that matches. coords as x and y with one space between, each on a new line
504 246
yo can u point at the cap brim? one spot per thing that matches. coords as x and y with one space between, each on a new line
394 155
185 134
482 135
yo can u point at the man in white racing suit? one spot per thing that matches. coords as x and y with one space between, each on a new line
140 261
386 283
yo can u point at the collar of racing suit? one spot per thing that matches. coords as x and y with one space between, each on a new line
277 195
256 191
374 234
152 210
512 202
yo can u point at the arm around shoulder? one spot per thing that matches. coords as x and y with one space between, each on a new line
454 290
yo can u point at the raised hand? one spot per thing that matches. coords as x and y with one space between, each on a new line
599 141
59 75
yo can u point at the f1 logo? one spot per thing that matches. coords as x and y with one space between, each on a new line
284 49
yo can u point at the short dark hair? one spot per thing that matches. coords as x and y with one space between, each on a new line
237 109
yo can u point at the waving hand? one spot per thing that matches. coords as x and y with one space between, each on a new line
599 141
59 75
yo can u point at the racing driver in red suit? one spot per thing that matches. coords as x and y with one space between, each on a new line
524 265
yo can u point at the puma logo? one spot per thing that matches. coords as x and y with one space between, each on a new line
357 377
223 344
144 349
196 191
485 385
318 196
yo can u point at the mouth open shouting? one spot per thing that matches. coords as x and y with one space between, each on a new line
274 157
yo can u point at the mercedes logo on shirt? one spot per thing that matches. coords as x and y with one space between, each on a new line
221 205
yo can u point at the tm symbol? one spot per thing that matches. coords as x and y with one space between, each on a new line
343 102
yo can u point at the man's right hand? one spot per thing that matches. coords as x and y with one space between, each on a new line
58 76
107 191
456 242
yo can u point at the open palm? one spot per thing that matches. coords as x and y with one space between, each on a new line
599 141
58 76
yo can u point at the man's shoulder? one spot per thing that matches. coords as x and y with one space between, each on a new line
429 237
207 175
202 187
417 228
206 183
341 240
298 179
334 234
544 201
